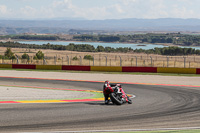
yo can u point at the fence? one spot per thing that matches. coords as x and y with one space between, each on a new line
114 60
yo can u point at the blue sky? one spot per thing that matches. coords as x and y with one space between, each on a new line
98 9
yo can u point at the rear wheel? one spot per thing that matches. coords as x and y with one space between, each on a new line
116 99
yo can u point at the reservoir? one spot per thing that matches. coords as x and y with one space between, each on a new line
95 44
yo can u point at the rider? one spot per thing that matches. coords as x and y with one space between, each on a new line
107 89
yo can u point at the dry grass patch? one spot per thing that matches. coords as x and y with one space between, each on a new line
57 57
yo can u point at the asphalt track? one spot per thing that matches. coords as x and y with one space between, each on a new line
155 106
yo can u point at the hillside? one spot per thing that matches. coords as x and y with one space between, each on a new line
63 26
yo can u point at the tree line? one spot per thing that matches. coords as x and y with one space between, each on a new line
90 48
172 51
10 55
31 37
38 56
173 38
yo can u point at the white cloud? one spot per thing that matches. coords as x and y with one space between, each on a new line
92 13
28 11
116 9
62 3
62 8
182 12
155 9
159 8
3 9
127 2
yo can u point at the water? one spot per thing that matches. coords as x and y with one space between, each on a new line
95 44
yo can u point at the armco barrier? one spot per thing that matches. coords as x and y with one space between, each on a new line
23 66
76 68
140 69
5 65
106 68
49 67
198 71
176 70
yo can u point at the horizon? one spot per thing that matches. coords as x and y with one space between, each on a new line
79 19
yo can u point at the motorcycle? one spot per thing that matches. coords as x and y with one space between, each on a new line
117 97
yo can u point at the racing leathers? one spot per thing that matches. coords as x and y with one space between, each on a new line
108 88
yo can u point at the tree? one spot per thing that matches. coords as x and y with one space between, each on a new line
25 56
100 49
39 55
75 58
9 54
88 57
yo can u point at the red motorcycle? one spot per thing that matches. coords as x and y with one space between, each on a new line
116 94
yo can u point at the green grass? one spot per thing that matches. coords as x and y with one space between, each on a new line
96 72
170 131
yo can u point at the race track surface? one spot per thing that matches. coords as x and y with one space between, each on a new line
153 107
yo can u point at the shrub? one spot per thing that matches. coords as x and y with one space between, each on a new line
25 56
88 57
75 58
9 54
39 55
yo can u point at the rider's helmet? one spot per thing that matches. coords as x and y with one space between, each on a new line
107 83
119 85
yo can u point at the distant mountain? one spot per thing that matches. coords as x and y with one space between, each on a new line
60 26
41 30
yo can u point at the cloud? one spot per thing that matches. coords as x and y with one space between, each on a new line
125 9
62 8
182 12
3 9
112 9
118 8
156 9
28 11
159 8
127 2
62 3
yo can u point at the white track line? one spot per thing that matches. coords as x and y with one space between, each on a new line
122 130
132 96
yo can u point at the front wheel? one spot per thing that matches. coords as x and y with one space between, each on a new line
129 100
116 99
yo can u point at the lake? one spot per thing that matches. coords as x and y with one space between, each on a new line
95 44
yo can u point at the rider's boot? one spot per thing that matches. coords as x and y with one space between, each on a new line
107 101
